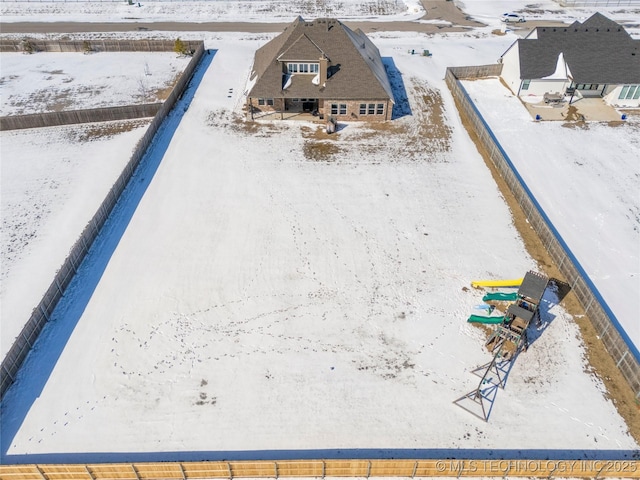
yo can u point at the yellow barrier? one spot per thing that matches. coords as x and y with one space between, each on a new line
326 468
516 282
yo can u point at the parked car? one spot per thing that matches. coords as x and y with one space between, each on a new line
512 17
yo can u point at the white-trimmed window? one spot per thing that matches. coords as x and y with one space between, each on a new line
380 109
629 92
363 109
334 109
343 109
372 109
525 84
265 101
306 68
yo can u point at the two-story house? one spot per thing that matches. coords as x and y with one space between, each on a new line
322 67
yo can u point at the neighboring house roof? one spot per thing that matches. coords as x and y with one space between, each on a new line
355 67
596 51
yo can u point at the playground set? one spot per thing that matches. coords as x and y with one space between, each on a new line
508 338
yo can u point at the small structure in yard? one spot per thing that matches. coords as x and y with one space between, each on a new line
332 125
509 337
321 67
597 58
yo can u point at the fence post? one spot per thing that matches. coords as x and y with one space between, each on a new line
40 472
89 473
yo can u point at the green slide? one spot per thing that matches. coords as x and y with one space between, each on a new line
481 319
505 297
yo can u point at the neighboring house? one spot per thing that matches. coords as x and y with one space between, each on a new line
597 58
322 67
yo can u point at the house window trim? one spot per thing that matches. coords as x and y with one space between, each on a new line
302 68
629 92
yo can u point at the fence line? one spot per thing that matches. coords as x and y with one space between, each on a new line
327 468
615 339
93 45
40 315
68 117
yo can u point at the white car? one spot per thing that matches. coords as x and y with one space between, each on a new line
512 17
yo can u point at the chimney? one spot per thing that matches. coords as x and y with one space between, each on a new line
322 73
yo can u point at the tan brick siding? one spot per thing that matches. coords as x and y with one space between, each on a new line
353 110
324 108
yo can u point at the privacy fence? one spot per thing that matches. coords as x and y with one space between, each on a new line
328 468
29 45
69 117
41 314
615 339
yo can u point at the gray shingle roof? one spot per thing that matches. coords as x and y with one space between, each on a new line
597 51
355 63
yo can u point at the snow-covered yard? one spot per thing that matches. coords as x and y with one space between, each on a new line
52 82
54 179
278 290
586 177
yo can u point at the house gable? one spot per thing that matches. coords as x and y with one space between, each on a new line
354 69
302 49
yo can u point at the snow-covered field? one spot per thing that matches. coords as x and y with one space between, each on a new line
275 291
486 11
210 11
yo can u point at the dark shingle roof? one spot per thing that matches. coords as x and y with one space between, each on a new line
355 63
596 51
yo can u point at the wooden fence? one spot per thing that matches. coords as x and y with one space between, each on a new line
613 336
41 314
90 46
327 468
69 117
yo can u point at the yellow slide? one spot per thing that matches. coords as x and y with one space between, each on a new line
496 283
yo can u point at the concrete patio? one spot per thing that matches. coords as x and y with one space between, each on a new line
582 109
